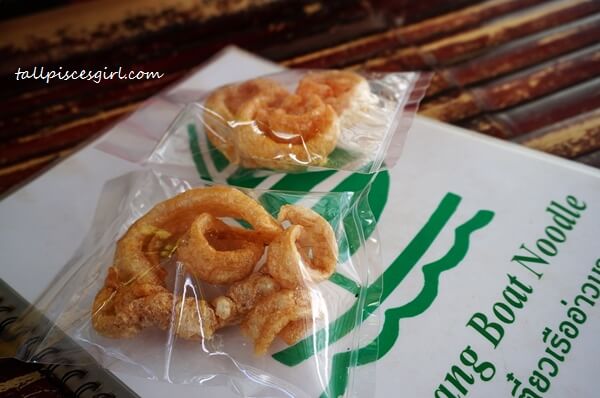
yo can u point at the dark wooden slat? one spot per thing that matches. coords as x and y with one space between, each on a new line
270 24
343 32
571 138
16 8
187 46
73 99
528 51
60 138
44 120
364 48
405 12
88 27
61 94
69 98
90 101
518 88
463 45
19 380
16 174
541 80
591 159
537 114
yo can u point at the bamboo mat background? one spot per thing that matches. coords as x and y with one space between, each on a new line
521 70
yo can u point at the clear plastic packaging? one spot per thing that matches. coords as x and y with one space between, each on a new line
294 121
340 311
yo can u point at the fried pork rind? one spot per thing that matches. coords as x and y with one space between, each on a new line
268 302
273 313
306 251
122 311
191 319
242 296
298 132
336 88
217 253
223 106
260 124
248 292
295 330
137 274
173 218
284 261
356 106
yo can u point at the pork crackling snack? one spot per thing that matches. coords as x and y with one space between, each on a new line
266 301
260 124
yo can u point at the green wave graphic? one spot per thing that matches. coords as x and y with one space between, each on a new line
218 159
196 154
391 327
376 292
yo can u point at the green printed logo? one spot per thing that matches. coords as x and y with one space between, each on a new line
372 296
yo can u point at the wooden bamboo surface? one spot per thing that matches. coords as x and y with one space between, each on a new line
521 70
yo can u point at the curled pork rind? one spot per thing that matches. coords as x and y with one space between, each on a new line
179 282
294 121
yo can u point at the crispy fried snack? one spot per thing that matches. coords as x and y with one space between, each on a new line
350 95
191 319
298 132
336 88
273 313
267 303
123 311
295 330
126 304
260 124
307 250
223 106
217 253
242 296
173 217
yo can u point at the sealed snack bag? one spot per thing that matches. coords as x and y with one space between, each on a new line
187 282
297 121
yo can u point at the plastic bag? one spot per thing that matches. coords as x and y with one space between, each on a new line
341 315
294 121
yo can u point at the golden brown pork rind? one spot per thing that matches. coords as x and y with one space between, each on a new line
137 276
223 106
336 87
270 302
214 252
273 313
299 132
306 251
260 124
